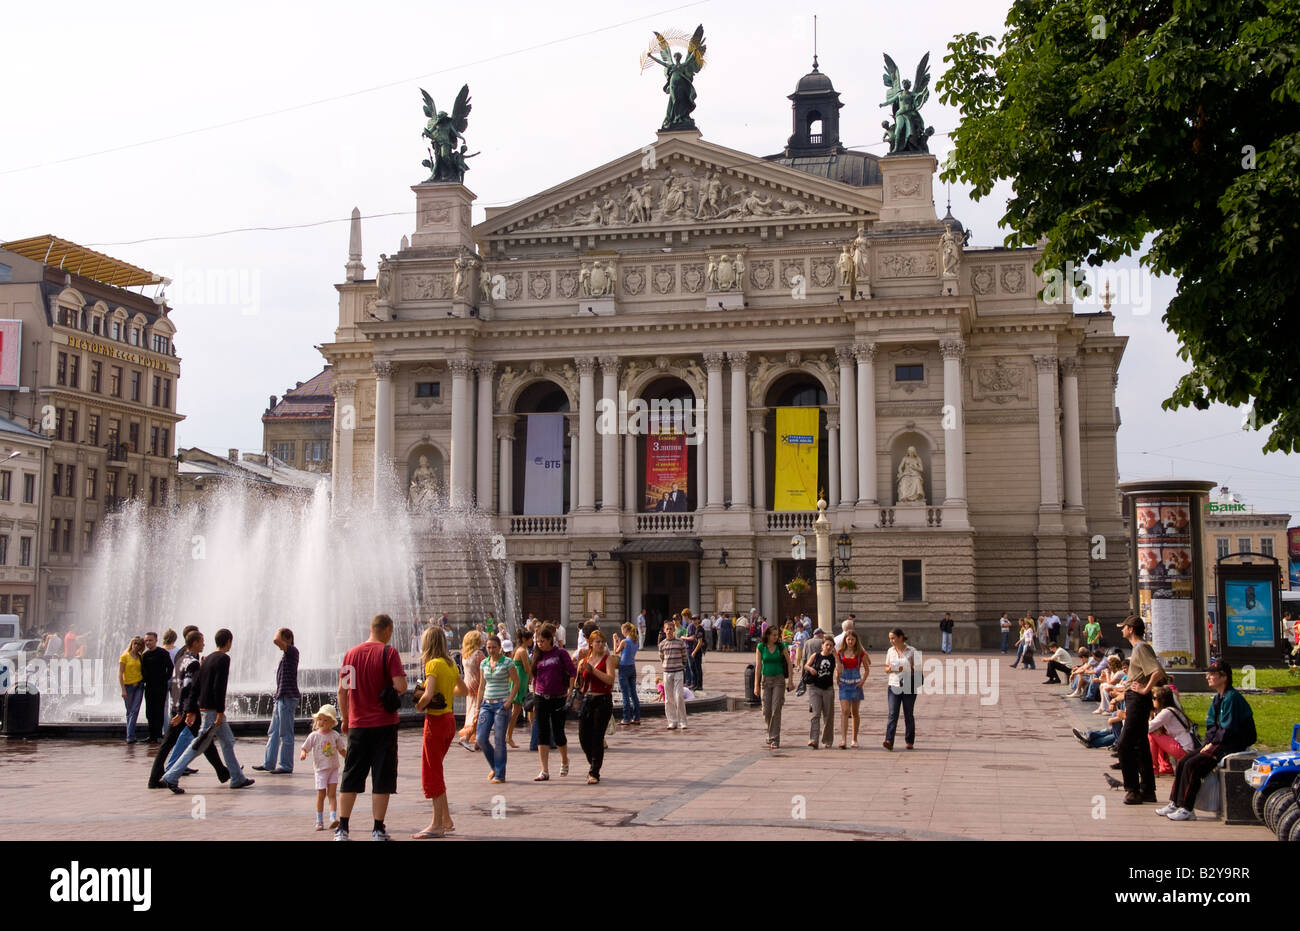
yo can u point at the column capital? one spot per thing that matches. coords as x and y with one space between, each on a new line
460 368
575 423
758 421
586 365
344 388
832 420
713 361
738 360
383 368
952 349
1070 366
845 355
609 365
505 426
1046 364
485 370
865 352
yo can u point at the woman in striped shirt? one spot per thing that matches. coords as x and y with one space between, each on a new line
497 684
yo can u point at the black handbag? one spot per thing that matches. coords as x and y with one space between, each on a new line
389 699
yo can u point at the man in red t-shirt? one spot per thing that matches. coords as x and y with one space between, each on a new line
368 669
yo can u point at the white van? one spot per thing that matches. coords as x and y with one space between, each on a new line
9 625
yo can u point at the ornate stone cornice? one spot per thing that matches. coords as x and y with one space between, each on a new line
383 369
586 365
865 352
1046 364
952 349
713 361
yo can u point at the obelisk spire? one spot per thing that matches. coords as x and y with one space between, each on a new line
356 271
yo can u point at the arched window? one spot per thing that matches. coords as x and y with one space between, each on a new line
543 397
814 127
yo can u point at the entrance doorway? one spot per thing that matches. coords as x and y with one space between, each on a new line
541 591
784 606
667 591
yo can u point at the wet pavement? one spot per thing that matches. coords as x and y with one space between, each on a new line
1001 765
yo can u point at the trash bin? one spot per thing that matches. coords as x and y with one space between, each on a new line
22 711
749 686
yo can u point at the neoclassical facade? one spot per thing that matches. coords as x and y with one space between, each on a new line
735 286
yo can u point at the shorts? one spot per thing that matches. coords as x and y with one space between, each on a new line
372 751
326 777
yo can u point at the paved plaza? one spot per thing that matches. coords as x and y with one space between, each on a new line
1006 770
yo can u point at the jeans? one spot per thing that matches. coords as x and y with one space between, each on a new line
773 700
184 737
593 719
134 695
821 705
905 700
946 641
280 736
493 716
181 737
1104 738
1006 637
674 701
1094 691
225 739
627 685
697 671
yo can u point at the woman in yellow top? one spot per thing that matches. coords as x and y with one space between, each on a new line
442 682
131 678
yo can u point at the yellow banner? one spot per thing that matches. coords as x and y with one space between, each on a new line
796 459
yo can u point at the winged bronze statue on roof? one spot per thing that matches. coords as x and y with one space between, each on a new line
907 132
445 161
680 79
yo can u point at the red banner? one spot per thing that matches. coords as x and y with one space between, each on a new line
666 473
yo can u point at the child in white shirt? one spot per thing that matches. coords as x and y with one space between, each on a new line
327 747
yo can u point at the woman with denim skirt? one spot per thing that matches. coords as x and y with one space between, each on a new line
497 684
626 648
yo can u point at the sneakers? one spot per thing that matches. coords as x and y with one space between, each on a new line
1079 734
1167 809
320 825
379 834
340 833
1182 814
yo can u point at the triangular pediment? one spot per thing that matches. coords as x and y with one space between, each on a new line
679 183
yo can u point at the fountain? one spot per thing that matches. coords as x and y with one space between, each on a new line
253 564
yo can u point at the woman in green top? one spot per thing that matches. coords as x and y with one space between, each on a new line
131 678
772 682
787 633
497 685
523 669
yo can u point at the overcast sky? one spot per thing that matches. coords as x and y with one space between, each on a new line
141 129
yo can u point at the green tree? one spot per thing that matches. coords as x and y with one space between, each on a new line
1172 125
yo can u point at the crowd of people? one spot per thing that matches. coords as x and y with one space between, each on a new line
1146 727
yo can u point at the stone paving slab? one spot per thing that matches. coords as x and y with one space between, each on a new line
1009 770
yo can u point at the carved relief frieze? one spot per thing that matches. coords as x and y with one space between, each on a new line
1012 278
792 268
999 381
761 274
634 280
981 279
823 271
539 285
664 278
693 277
908 264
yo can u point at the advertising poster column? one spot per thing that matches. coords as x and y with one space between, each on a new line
1166 585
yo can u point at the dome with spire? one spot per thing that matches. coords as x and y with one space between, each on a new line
814 146
814 82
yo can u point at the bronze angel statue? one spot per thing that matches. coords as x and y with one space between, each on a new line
907 132
680 79
445 161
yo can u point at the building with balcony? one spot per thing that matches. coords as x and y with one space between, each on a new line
645 376
297 428
22 463
94 369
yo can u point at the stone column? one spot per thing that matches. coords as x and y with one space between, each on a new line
586 433
1070 438
739 447
694 595
630 500
832 455
575 446
766 583
462 443
383 478
609 439
505 427
483 496
345 429
564 591
635 588
758 431
1050 496
713 401
866 356
825 591
848 490
701 463
954 421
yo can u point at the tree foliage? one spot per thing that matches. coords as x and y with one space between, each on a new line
1171 124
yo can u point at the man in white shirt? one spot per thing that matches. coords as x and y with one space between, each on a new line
1004 624
844 629
640 628
1058 662
707 632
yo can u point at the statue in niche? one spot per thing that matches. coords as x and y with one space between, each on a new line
911 482
848 271
484 283
861 257
951 256
423 491
463 267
